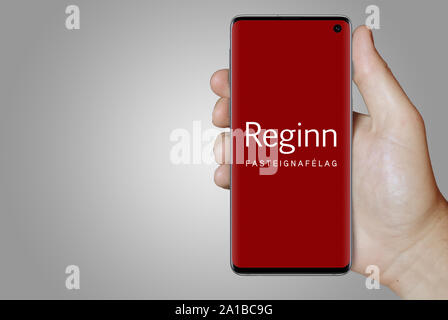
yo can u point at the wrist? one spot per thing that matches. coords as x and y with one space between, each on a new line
421 271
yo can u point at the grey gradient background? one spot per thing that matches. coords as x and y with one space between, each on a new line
85 118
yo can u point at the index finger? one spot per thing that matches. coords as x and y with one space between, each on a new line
220 83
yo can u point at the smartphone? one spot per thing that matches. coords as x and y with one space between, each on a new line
291 128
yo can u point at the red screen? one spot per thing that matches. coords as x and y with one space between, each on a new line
291 74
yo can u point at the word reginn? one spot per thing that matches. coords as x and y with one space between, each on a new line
310 137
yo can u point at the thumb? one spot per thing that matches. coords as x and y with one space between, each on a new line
383 95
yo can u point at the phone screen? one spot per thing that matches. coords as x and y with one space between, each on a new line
291 144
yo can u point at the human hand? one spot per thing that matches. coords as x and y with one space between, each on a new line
400 218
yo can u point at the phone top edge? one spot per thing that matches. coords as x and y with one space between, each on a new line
289 17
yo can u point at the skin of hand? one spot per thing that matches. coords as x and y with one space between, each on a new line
400 218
